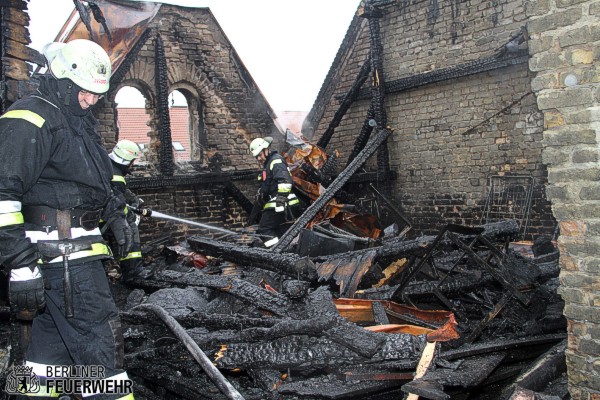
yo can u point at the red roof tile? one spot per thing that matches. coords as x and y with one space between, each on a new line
133 126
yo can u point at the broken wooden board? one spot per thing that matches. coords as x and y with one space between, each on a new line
436 324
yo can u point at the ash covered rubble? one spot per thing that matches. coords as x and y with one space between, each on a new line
348 308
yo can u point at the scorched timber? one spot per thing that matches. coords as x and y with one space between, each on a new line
305 353
329 387
287 263
197 319
318 306
470 373
400 247
261 298
336 185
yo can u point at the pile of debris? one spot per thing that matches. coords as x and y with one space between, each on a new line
457 315
344 307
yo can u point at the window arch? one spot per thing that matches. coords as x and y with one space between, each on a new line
187 117
132 117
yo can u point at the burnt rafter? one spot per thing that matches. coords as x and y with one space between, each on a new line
364 134
305 352
378 86
349 98
165 152
270 301
288 263
335 186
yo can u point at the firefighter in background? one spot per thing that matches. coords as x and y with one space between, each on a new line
55 185
123 155
280 203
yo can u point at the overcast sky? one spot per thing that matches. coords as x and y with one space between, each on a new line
287 45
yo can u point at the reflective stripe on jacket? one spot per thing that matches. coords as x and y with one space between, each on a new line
48 157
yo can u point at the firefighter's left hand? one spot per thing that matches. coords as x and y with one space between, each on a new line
280 202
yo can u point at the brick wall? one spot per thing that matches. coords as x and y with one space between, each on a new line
564 47
450 136
223 102
206 205
202 64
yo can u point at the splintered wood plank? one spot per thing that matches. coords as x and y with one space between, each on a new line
424 363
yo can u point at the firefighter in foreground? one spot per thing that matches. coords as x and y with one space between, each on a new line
55 185
280 203
123 155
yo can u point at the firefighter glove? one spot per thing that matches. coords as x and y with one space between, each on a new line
122 233
280 202
26 292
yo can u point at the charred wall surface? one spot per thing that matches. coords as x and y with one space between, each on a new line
226 112
226 107
461 105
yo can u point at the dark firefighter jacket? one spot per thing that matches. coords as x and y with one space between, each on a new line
119 185
127 197
48 157
276 180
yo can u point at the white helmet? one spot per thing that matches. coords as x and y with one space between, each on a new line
82 61
259 144
124 152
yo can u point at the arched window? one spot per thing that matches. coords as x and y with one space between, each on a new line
180 126
132 118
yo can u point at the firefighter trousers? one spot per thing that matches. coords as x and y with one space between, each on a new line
93 336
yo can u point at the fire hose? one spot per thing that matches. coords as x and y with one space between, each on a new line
146 212
213 373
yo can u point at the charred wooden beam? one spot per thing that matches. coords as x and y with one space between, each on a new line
371 375
267 300
363 136
336 185
281 329
379 315
400 247
470 373
267 379
378 83
199 319
346 271
288 263
304 353
363 74
545 369
317 315
213 373
330 387
468 350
